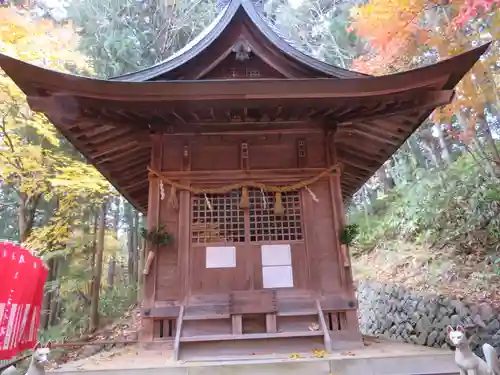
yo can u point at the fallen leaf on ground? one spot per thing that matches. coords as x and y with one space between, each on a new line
317 353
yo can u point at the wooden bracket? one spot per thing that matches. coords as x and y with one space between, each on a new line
244 156
345 255
186 158
149 261
301 153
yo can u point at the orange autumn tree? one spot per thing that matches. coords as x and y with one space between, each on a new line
392 32
406 34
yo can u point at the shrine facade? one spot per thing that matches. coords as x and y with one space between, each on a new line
245 150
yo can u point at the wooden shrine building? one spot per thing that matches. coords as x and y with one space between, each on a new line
245 149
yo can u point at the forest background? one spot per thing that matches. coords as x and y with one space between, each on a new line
429 218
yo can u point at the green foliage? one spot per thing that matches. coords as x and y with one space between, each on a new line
157 236
113 303
50 194
457 206
318 28
122 36
349 234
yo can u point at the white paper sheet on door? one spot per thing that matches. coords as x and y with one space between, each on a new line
221 257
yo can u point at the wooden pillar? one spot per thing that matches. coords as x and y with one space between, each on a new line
153 220
337 207
351 322
184 227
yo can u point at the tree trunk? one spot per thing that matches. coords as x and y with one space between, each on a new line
490 141
116 227
96 285
141 277
385 179
416 154
94 241
137 245
443 144
477 146
111 273
130 242
26 214
50 296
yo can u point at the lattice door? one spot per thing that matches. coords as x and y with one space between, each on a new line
226 241
218 219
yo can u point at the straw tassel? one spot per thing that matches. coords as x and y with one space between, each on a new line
264 199
245 201
208 203
313 196
172 198
162 190
279 210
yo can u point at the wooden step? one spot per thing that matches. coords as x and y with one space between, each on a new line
251 336
298 312
207 317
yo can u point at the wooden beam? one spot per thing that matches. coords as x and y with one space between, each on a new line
351 131
124 167
428 100
251 175
110 135
357 161
359 175
250 90
140 183
238 124
134 153
163 312
295 127
112 146
96 130
380 129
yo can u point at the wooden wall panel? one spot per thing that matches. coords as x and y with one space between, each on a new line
172 152
315 149
206 156
217 280
265 152
167 279
253 68
320 239
273 156
300 267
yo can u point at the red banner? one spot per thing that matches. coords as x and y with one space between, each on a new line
22 277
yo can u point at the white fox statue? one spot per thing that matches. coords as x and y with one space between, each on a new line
39 359
469 363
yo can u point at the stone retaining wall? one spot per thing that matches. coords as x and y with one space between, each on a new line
399 314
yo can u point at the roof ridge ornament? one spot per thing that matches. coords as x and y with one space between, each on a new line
258 4
242 50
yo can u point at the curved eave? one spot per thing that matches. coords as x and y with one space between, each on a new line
34 80
432 84
216 28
